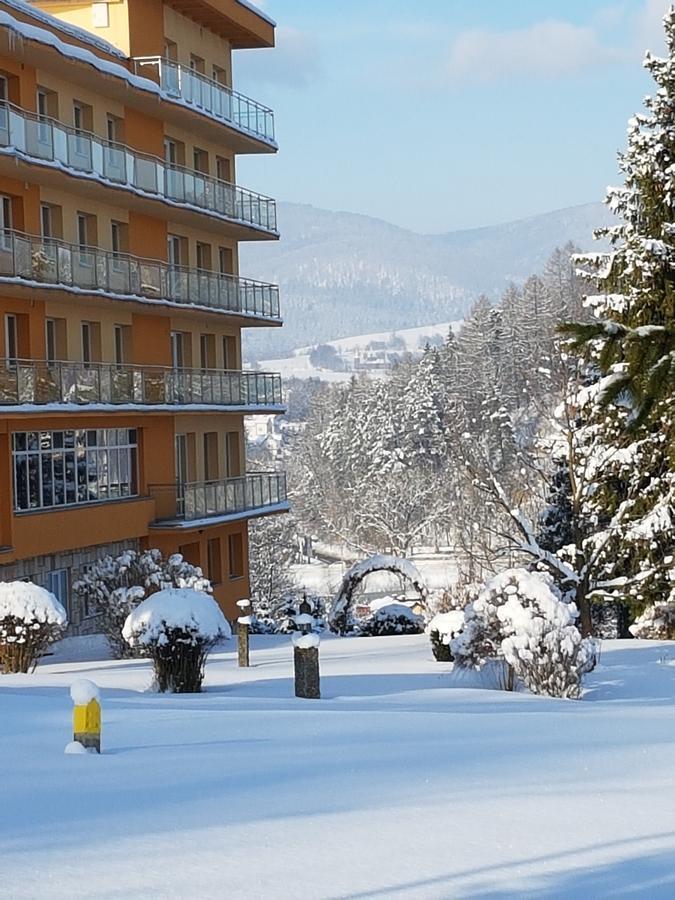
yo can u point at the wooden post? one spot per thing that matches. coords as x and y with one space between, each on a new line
243 643
306 664
86 715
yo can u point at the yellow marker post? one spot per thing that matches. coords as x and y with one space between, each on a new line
86 714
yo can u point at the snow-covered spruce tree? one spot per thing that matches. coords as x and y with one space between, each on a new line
632 344
115 586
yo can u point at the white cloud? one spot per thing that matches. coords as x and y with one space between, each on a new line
294 62
549 49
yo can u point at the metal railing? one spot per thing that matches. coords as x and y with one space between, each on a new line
84 154
37 383
210 97
205 499
57 262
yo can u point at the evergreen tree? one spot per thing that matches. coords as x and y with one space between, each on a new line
629 432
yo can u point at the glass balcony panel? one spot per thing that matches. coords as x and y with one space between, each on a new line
38 138
118 273
114 164
145 175
80 152
84 269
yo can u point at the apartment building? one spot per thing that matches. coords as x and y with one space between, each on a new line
122 394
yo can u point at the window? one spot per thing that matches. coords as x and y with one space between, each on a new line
203 256
236 555
4 89
113 126
197 64
229 353
100 16
226 261
207 349
58 583
224 169
200 161
11 339
5 222
46 222
91 342
213 561
118 241
220 75
82 123
232 459
86 230
170 50
211 456
65 468
122 341
55 339
174 152
173 247
180 350
182 462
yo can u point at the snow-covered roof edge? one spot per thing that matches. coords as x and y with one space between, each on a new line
73 30
257 11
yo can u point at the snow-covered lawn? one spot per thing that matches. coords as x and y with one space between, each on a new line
396 784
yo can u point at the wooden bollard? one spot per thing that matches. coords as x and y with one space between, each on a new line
306 664
86 717
243 642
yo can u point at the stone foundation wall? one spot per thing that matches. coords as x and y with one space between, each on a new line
37 569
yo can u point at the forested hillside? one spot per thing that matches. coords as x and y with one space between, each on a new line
342 274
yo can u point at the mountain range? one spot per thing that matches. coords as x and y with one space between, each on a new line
342 273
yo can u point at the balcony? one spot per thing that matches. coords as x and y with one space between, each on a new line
183 85
27 384
57 264
246 496
83 155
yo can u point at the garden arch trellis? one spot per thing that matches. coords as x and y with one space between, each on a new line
338 619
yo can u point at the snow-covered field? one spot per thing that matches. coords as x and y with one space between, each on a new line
396 784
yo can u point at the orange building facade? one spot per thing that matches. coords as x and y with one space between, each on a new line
122 393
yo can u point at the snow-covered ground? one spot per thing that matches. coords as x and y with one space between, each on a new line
396 784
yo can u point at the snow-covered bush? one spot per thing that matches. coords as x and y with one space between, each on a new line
441 629
31 618
519 617
656 623
177 628
389 617
114 586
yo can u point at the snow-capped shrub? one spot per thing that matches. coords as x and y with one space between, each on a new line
441 629
177 628
390 618
519 617
31 618
656 623
115 586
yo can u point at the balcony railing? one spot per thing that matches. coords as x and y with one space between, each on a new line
83 154
71 266
205 499
38 383
208 96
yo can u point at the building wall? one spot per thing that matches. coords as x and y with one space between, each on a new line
37 542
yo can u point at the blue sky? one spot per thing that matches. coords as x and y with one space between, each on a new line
445 114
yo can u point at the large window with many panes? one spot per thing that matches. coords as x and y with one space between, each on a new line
66 468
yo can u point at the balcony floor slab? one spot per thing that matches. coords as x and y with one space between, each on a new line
183 525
